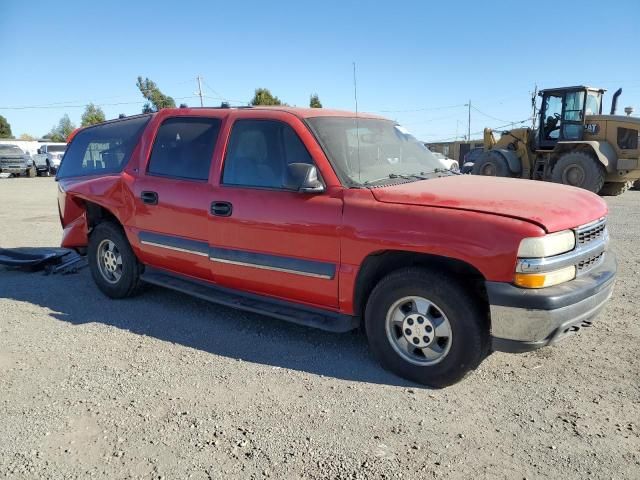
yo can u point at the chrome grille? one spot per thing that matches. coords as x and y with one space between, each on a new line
591 232
589 263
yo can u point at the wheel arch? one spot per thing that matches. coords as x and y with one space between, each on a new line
379 264
96 213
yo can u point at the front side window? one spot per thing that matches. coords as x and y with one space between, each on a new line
102 149
552 116
364 150
260 152
183 147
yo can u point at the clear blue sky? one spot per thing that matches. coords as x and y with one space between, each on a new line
412 55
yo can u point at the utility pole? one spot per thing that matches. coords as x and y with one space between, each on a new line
533 106
469 123
199 92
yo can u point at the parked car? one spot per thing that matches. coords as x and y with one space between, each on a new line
470 159
49 158
308 216
15 161
446 162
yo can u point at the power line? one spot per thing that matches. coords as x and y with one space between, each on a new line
62 105
488 116
427 109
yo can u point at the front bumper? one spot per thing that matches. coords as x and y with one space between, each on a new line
14 169
523 320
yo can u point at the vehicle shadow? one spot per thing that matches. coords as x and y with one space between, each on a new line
178 318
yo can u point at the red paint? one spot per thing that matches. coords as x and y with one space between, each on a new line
478 220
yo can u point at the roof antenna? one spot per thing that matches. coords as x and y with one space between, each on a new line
355 97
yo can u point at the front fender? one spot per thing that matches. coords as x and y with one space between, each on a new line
603 151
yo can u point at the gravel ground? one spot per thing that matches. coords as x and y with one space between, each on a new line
167 386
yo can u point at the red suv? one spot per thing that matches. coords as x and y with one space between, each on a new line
335 220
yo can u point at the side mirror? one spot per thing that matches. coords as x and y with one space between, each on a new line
303 177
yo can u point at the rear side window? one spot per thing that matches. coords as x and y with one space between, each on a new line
627 138
102 149
184 147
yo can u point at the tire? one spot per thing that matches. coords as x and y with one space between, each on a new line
615 188
492 166
579 169
468 340
636 185
116 274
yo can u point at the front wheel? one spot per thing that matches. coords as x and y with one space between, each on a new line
114 267
491 165
424 326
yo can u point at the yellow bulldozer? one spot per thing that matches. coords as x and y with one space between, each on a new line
574 144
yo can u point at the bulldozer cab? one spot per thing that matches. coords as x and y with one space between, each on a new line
563 112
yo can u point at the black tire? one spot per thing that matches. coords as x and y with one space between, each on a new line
579 169
130 268
492 166
467 318
615 188
636 185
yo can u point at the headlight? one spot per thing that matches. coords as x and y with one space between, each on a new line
547 279
548 245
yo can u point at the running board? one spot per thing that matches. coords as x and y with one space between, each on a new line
290 312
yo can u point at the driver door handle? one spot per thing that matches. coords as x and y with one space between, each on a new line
221 209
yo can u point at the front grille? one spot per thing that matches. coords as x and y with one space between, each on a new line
589 263
591 233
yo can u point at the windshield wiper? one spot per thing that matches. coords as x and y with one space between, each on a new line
403 176
441 170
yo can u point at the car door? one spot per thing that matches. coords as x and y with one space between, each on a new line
266 238
173 195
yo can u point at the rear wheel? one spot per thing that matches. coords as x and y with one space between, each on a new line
615 188
579 169
424 326
114 266
492 166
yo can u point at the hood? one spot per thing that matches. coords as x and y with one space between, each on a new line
553 207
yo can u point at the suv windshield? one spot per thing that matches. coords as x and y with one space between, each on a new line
366 150
56 148
11 149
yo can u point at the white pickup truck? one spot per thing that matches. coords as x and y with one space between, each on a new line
49 157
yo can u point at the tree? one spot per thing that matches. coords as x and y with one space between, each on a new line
92 115
264 97
314 101
60 132
5 128
156 99
26 137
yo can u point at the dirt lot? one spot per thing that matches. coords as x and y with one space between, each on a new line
166 386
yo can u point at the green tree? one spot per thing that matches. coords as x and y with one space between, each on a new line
156 99
92 115
60 132
314 101
264 97
27 137
5 128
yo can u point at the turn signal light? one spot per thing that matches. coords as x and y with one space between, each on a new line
548 279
